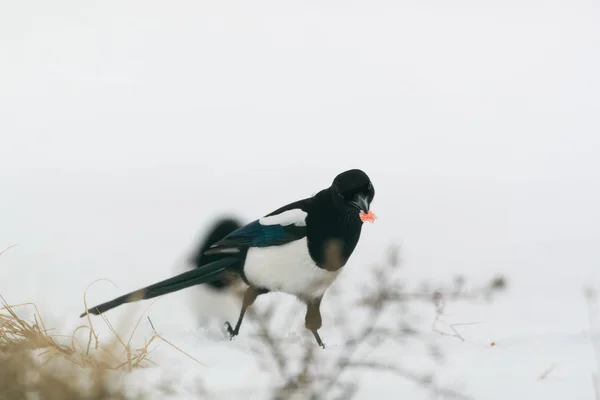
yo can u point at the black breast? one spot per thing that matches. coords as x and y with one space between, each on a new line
332 233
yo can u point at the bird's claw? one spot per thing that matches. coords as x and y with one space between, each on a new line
230 330
318 339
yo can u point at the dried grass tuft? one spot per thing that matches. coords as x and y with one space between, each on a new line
37 364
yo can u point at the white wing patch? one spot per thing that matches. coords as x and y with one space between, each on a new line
228 250
290 217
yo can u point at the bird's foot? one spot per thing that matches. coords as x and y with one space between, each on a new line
232 332
318 338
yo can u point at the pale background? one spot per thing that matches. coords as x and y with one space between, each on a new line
126 127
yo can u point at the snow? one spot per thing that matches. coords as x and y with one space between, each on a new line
127 127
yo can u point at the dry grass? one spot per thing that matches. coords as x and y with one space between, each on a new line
34 364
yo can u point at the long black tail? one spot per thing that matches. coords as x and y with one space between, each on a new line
221 228
203 274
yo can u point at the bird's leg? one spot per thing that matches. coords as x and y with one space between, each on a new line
249 296
313 321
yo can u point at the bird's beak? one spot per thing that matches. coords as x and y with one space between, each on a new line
361 202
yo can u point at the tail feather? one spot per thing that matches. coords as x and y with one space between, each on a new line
203 274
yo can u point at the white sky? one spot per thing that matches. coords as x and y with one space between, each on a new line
125 126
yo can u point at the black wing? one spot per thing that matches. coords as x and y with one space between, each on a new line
282 226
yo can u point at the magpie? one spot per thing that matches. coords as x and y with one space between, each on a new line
298 249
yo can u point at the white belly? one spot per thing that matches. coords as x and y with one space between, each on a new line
288 268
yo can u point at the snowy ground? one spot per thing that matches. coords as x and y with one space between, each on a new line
126 127
542 341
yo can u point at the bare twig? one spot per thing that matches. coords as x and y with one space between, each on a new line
322 377
9 247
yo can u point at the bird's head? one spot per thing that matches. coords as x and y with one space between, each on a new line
354 191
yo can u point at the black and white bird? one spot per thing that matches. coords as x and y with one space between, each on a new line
298 249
